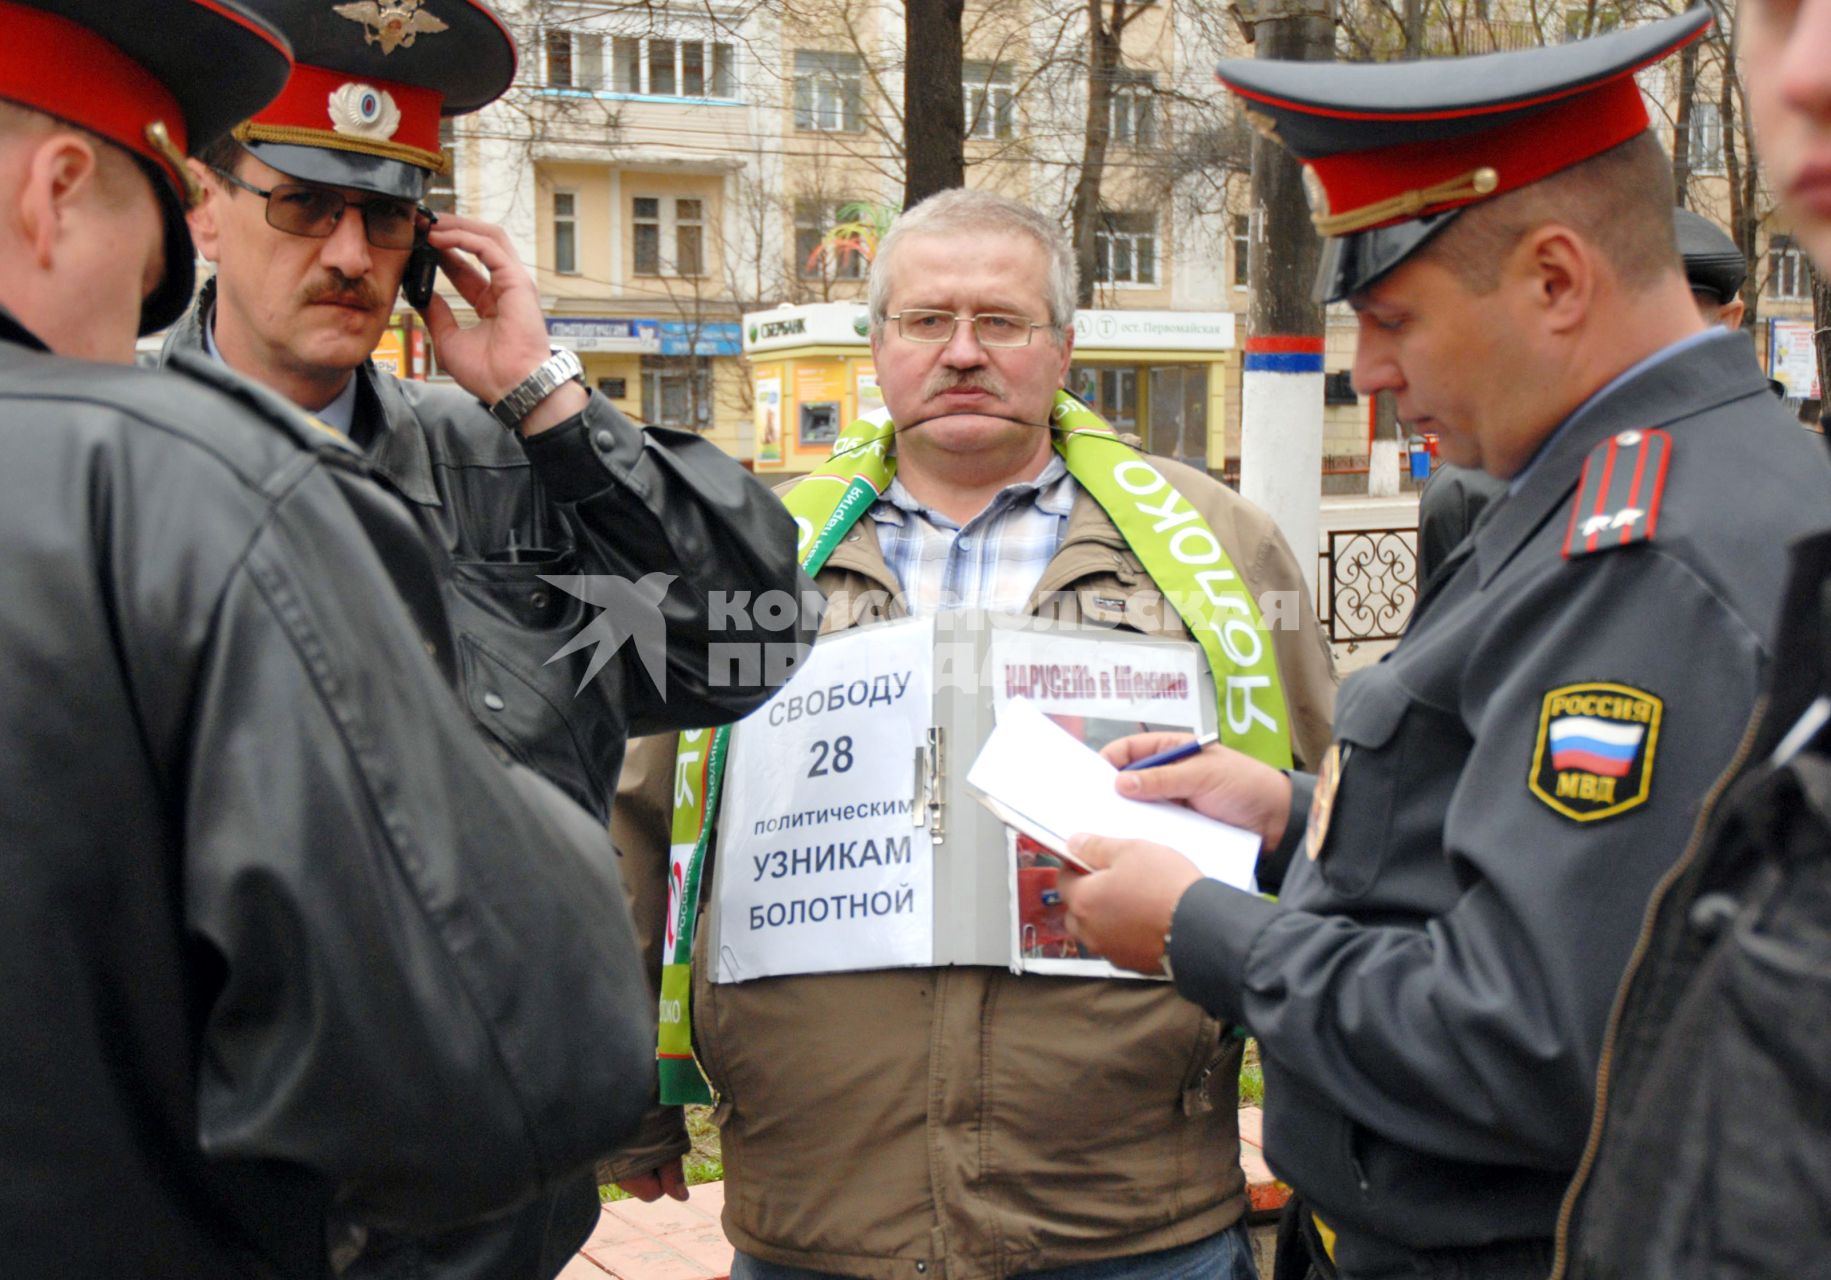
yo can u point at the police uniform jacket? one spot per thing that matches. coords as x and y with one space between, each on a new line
593 496
966 1122
270 976
1430 992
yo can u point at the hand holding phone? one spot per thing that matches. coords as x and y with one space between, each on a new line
422 266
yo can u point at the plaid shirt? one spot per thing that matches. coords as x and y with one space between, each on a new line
994 561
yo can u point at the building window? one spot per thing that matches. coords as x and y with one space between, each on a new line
1125 249
829 91
677 392
1706 138
1134 109
652 66
575 59
813 220
990 99
689 238
1110 391
705 69
566 233
1242 247
645 217
1787 273
651 218
442 188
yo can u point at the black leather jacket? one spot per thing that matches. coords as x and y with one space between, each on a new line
593 496
269 975
1710 1155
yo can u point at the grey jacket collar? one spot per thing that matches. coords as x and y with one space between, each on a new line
1711 374
397 443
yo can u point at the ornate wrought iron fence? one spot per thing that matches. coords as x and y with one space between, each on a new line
1367 583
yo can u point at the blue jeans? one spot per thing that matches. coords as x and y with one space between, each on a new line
1226 1255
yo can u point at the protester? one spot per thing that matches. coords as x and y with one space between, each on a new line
970 1120
271 981
1430 990
554 513
1710 1153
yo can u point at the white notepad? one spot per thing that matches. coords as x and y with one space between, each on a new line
1037 777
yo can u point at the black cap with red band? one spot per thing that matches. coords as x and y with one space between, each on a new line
1393 151
374 77
154 85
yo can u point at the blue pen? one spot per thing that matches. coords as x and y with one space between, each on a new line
1174 754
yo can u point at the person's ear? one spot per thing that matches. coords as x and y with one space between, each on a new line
1560 270
205 231
60 174
1730 317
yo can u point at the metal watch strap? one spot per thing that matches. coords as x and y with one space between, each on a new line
553 373
1164 963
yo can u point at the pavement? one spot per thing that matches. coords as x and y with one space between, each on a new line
675 1240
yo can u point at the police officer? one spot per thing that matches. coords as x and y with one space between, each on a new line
519 472
269 981
1430 991
1454 497
547 502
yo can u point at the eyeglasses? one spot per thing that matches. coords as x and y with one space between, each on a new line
991 328
316 211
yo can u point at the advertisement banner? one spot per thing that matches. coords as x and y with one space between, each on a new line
1792 359
769 419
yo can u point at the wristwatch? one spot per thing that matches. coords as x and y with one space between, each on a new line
554 372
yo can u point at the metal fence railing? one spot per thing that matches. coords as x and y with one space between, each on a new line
1367 583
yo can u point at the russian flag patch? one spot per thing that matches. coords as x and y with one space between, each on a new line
1594 756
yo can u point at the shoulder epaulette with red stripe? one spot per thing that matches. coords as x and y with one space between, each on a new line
1618 497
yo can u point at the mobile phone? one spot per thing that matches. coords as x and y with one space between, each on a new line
422 272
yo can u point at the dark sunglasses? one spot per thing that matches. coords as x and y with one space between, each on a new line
315 212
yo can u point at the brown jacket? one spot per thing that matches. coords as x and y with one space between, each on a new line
968 1122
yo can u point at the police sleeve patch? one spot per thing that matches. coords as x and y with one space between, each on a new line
1618 497
1594 756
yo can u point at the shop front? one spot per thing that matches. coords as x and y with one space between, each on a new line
658 372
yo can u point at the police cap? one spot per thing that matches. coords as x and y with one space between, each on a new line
1394 151
373 79
1713 264
157 87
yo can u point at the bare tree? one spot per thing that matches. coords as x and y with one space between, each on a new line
934 112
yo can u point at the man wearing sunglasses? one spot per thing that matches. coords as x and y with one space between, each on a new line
311 214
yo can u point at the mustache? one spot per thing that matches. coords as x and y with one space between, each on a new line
942 381
348 291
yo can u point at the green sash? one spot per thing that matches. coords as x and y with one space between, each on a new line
1177 548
